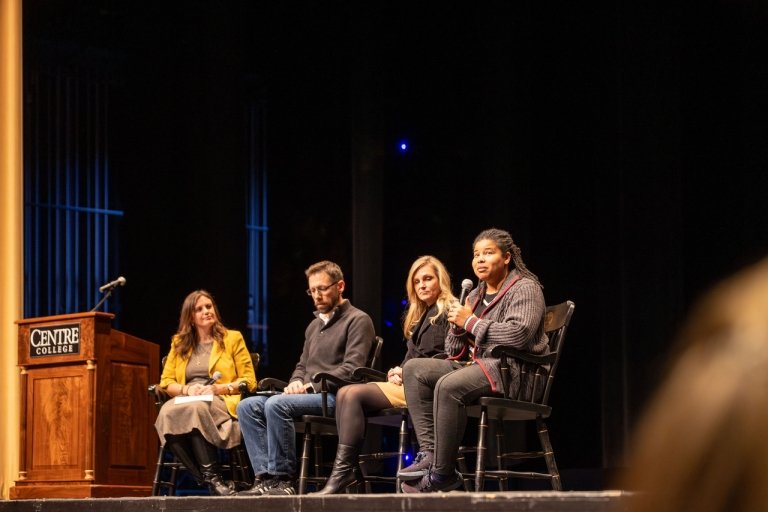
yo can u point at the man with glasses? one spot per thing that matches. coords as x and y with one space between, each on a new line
337 341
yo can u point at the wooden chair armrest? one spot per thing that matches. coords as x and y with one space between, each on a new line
160 395
271 384
158 392
325 376
503 350
369 374
242 388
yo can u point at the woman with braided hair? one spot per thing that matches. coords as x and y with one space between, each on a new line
507 308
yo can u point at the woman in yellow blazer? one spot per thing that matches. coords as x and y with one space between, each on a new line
203 418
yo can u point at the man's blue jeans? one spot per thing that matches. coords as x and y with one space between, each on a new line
268 431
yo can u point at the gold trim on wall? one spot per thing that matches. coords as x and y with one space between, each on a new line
11 232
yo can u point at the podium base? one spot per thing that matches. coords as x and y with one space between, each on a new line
38 491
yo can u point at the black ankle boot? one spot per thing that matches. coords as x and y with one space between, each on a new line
206 455
345 471
214 481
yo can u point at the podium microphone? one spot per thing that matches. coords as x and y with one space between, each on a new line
466 287
120 281
213 378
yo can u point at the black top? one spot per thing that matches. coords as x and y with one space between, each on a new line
427 339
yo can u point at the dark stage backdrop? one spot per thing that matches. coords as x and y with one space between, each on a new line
620 143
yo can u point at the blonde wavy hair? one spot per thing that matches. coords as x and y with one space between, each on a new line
416 306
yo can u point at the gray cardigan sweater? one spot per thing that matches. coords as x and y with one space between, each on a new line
515 317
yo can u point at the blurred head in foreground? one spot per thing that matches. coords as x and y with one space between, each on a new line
703 442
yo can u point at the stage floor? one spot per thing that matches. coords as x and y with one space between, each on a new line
542 501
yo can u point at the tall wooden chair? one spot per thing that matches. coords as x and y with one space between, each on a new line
392 417
314 428
534 408
318 426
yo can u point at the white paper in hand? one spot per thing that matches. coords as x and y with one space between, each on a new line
195 398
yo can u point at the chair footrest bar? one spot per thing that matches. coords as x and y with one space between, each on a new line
378 456
504 474
522 455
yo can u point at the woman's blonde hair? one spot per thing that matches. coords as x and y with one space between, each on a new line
416 306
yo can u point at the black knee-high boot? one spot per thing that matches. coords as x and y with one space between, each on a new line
180 446
346 471
207 459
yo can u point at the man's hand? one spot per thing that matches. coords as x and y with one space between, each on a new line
296 388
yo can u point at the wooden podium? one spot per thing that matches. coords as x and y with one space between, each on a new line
87 424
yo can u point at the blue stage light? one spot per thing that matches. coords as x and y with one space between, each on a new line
403 146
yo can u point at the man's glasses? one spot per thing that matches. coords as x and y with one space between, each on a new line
321 289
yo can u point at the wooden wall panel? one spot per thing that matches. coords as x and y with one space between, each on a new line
56 443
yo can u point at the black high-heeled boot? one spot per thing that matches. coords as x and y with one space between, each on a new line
180 446
346 471
206 455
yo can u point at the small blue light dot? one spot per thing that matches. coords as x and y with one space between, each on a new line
388 323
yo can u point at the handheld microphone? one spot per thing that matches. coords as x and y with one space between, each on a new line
120 281
466 287
213 378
